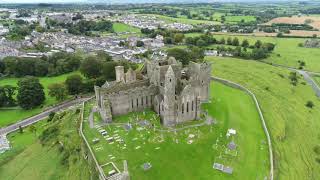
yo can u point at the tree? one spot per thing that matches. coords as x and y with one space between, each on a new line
103 56
33 129
223 19
258 44
196 53
293 78
180 55
20 129
178 37
91 67
2 67
229 41
235 41
190 41
140 44
168 40
6 95
258 53
222 41
51 116
30 93
74 84
310 104
108 70
58 90
245 43
41 68
201 43
268 46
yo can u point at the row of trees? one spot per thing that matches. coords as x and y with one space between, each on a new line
186 55
29 94
170 36
84 27
58 63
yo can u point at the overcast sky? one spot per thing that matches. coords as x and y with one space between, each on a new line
123 1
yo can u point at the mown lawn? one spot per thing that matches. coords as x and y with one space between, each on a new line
174 158
30 160
294 128
287 51
9 116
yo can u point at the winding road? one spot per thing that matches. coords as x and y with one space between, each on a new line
41 116
306 75
310 81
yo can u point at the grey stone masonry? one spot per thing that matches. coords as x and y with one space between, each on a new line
171 90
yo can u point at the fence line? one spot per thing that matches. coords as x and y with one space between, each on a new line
101 173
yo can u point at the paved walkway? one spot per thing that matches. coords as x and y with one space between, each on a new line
38 117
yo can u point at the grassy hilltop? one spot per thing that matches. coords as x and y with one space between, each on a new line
294 128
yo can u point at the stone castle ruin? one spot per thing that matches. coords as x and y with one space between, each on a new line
172 91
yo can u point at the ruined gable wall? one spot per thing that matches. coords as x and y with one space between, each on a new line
136 99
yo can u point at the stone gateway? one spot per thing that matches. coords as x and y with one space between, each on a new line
171 90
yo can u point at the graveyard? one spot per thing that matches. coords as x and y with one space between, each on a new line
228 141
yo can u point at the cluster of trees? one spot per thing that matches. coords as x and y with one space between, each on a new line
58 63
96 70
285 28
260 50
193 53
203 40
84 27
170 36
20 29
7 93
29 94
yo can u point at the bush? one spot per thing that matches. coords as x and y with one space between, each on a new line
310 104
316 149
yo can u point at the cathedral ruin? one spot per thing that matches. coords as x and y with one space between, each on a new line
174 92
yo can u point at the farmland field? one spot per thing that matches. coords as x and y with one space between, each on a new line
170 154
294 128
287 51
9 116
297 20
185 20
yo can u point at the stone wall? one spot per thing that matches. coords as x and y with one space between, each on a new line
132 100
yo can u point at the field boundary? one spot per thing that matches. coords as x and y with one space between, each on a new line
101 173
238 86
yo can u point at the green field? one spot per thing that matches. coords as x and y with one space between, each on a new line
294 128
287 52
185 20
120 27
317 79
172 157
233 19
9 116
30 160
